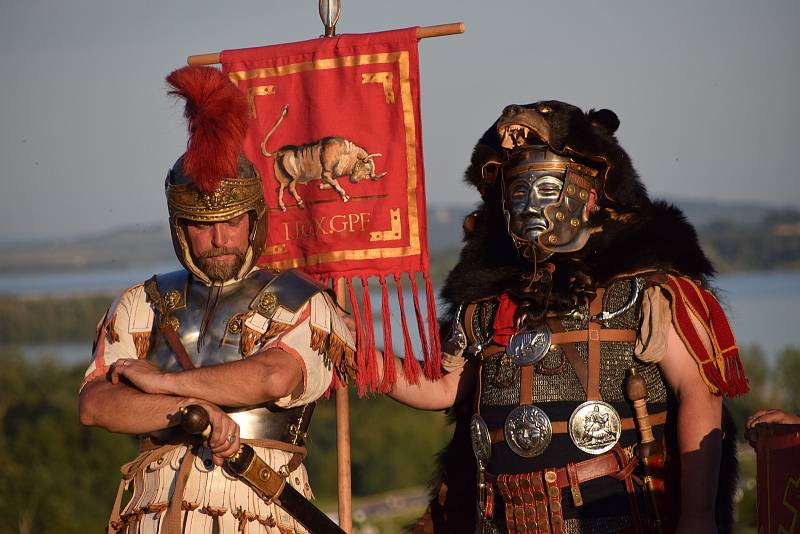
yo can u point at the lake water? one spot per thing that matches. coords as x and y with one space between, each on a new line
762 306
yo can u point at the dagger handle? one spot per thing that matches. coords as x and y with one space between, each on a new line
636 389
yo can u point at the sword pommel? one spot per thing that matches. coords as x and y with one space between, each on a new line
194 419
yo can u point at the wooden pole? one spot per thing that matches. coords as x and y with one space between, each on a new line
423 32
343 441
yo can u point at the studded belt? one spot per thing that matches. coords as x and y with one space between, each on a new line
533 500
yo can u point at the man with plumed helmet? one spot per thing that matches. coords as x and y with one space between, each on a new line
220 333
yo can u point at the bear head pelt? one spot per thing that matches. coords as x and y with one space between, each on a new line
635 233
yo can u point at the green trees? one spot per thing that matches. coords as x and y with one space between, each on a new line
57 476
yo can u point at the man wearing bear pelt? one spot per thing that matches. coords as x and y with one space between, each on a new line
586 358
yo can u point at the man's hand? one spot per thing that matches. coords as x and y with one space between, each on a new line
141 373
772 416
224 438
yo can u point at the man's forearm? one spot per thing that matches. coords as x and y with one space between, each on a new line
430 395
700 445
110 406
264 377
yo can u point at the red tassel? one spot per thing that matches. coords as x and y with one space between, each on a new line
373 381
389 372
361 378
411 367
433 368
426 354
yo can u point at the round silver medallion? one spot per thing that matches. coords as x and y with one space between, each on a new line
527 346
595 427
481 442
528 430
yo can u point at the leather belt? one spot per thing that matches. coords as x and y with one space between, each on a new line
497 435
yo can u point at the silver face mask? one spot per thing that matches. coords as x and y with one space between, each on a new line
544 195
526 197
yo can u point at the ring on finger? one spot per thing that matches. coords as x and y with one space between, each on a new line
231 438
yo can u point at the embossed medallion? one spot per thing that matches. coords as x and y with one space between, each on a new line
481 442
528 346
528 430
595 427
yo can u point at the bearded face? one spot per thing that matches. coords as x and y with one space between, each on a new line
219 248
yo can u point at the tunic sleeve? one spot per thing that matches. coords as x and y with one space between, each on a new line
656 317
309 341
123 332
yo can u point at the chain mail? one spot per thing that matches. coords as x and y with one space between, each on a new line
601 525
501 378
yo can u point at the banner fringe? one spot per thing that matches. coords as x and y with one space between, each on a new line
389 371
433 366
411 367
361 378
373 380
423 339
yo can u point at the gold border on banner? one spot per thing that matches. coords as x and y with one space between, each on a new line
402 60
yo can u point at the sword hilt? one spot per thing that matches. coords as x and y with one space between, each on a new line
195 420
267 483
636 389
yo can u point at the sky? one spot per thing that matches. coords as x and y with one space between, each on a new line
706 91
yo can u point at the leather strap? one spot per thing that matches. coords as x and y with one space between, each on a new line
174 342
577 336
574 485
526 385
165 327
553 491
497 435
614 464
570 351
540 503
469 322
593 382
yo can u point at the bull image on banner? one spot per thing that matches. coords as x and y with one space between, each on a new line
336 135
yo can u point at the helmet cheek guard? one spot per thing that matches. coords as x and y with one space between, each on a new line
567 229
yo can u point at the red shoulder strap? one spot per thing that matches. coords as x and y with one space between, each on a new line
721 369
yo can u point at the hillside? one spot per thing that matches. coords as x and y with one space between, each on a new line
737 237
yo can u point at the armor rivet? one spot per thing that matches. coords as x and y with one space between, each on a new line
552 239
560 216
235 324
550 477
574 222
172 299
553 348
570 189
553 492
264 474
267 302
584 195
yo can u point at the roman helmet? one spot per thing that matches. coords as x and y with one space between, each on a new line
576 150
213 181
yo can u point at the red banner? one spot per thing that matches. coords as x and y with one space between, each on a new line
778 465
336 136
